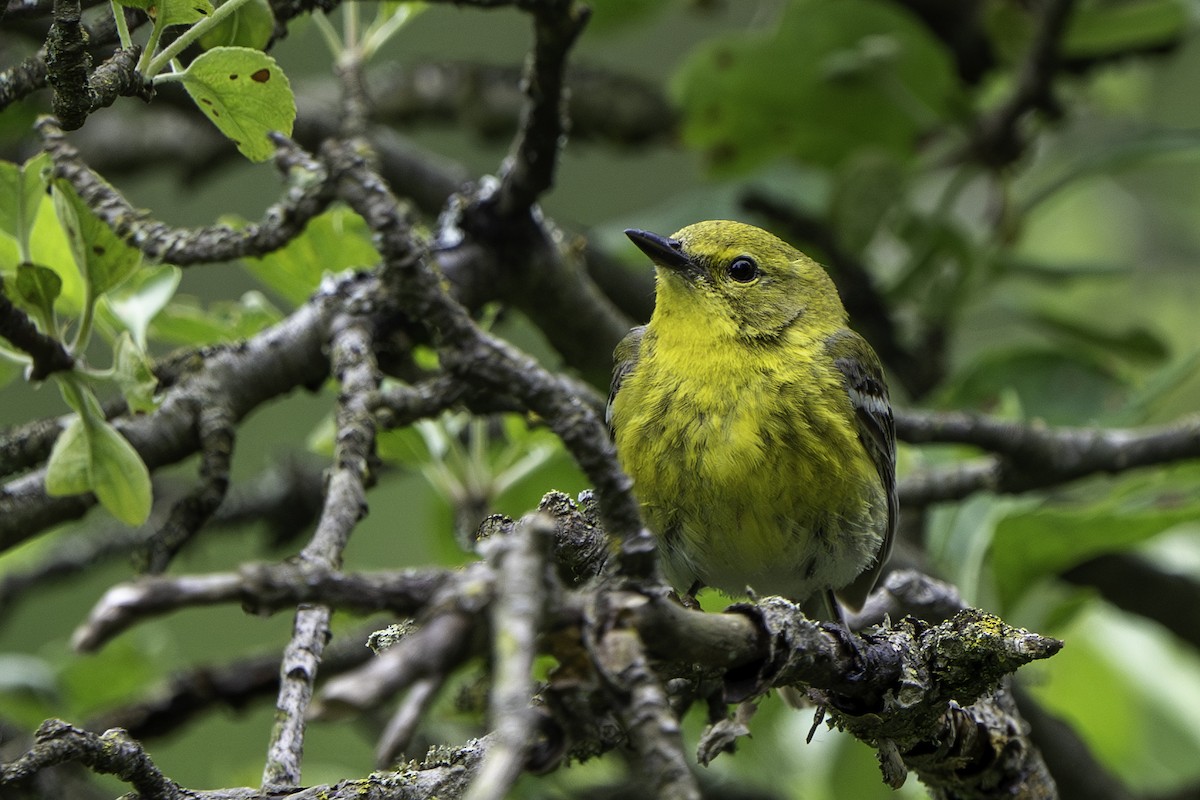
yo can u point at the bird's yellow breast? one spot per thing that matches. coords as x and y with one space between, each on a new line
739 458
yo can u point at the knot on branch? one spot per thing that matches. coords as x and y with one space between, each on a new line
118 77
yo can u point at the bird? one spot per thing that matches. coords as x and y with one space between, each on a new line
755 425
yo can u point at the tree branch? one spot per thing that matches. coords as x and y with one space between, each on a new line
308 194
1033 456
189 693
997 140
113 752
48 354
516 618
474 356
216 431
353 365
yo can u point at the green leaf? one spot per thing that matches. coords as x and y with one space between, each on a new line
245 94
1102 29
69 469
22 188
1056 387
180 12
870 184
1036 544
402 445
90 455
833 78
251 25
133 373
119 476
1134 344
10 197
39 287
336 240
102 258
137 301
10 257
50 246
184 321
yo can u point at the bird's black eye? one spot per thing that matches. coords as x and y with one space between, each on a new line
743 269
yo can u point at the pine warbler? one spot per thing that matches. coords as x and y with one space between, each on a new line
756 426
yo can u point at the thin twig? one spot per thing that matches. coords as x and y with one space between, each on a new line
516 617
353 364
48 354
216 429
998 139
480 358
308 195
1031 456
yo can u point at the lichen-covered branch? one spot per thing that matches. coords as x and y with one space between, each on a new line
516 618
477 357
895 688
307 196
353 365
217 433
530 169
113 752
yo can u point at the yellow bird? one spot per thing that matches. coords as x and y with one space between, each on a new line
756 426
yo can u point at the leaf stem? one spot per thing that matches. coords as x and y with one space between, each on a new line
350 22
122 26
328 33
385 27
145 63
86 318
190 35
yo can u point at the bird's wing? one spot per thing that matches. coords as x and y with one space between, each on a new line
863 376
624 359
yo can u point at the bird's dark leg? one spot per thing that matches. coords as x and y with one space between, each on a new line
689 600
849 640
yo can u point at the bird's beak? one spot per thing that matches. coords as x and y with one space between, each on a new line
664 252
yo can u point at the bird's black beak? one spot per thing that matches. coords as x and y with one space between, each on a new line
662 251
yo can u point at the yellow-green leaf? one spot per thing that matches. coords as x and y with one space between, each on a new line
103 259
245 94
181 12
132 372
334 241
39 286
69 468
119 476
251 25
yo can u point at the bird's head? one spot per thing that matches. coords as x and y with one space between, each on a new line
740 277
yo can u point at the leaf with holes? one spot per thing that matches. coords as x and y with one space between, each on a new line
182 12
245 94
